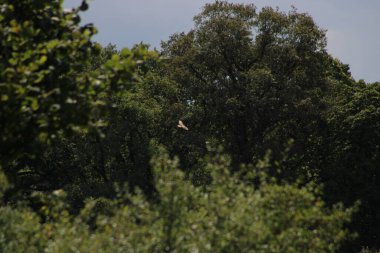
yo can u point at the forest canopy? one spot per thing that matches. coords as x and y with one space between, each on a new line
241 135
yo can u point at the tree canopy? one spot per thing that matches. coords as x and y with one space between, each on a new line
240 135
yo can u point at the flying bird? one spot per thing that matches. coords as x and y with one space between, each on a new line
181 125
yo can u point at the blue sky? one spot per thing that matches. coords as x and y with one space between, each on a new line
353 30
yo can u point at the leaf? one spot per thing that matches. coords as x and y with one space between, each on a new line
43 59
34 104
125 52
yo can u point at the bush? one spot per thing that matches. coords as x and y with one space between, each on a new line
228 215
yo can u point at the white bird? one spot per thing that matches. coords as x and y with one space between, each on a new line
181 125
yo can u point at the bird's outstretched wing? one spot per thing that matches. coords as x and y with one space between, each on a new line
181 125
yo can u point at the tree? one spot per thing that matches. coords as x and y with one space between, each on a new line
252 81
352 163
57 84
228 215
43 96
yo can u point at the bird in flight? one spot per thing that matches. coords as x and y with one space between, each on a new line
181 125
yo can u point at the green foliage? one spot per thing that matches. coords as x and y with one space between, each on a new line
353 159
89 165
42 94
20 231
4 184
367 250
229 215
54 83
262 75
77 118
105 54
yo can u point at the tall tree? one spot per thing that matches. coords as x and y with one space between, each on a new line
56 83
251 81
351 169
42 94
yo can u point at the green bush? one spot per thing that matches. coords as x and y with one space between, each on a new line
228 215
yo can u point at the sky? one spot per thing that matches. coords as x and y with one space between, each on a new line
353 31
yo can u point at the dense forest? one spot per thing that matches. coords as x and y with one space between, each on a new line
241 135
